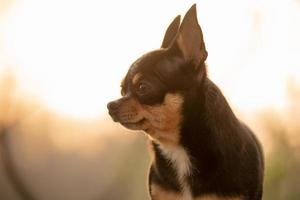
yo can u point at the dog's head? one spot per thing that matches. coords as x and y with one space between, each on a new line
153 91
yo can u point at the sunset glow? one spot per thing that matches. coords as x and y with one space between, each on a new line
72 55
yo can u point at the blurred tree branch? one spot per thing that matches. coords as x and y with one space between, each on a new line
9 120
283 163
9 166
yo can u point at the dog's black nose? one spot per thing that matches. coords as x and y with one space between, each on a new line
113 105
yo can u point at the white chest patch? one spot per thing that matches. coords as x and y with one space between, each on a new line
180 160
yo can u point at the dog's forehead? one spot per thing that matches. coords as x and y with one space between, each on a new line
155 63
147 61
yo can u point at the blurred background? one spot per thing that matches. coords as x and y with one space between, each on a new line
61 61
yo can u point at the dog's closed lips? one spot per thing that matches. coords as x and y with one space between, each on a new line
133 125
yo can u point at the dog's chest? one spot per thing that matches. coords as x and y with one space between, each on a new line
180 161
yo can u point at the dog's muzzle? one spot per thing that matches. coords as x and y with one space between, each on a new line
113 108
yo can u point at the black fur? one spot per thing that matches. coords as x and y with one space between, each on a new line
226 157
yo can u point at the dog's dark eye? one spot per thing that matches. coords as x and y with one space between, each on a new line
142 89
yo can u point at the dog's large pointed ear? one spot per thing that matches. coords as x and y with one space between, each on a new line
171 32
189 40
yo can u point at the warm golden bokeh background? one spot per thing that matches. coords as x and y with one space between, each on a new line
61 61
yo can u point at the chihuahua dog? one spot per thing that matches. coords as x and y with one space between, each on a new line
201 150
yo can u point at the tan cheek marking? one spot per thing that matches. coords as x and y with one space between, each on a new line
165 119
136 78
158 193
215 197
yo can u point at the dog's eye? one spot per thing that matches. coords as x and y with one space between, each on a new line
142 88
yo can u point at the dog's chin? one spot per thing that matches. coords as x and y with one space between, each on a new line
136 125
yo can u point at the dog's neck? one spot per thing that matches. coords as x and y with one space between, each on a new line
210 129
203 129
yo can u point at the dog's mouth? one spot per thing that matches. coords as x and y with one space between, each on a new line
133 125
124 120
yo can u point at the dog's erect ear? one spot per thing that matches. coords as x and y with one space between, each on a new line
189 39
171 32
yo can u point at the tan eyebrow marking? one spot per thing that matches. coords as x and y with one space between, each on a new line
136 78
123 86
122 83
